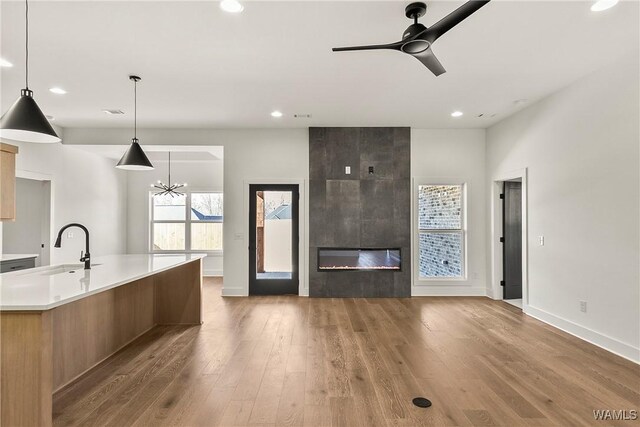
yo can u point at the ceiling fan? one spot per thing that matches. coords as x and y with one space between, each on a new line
417 39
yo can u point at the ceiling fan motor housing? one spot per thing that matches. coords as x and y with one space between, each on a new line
415 10
413 30
417 45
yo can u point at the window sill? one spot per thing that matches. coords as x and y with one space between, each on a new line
443 280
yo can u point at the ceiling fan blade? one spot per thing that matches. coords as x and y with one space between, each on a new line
430 61
453 19
393 46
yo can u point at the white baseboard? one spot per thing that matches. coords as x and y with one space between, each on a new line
448 291
212 273
233 292
603 341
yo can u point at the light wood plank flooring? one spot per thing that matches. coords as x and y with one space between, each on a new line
353 362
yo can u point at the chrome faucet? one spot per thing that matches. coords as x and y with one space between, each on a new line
84 257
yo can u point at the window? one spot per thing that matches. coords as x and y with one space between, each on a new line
189 223
441 231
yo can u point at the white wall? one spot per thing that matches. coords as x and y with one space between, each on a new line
452 156
86 188
199 175
581 149
31 227
251 155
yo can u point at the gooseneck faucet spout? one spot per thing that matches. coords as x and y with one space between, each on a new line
86 257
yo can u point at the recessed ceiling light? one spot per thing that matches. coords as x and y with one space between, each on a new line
231 6
457 114
113 112
5 63
50 118
601 5
57 90
276 114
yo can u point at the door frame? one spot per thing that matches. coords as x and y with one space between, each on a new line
279 286
303 236
48 180
495 291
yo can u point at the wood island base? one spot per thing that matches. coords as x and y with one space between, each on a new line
43 351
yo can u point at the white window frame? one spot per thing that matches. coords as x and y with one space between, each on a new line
419 280
187 224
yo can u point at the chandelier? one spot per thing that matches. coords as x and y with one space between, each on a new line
168 188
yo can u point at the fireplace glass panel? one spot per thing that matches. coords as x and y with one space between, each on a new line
341 259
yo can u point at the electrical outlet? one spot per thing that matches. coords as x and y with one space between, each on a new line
69 234
583 306
347 170
541 239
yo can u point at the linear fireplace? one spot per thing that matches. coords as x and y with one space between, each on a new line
359 259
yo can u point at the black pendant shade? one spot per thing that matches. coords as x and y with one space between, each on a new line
135 159
24 121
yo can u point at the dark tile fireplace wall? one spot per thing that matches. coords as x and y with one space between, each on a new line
360 210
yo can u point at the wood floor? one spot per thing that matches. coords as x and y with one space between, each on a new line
353 362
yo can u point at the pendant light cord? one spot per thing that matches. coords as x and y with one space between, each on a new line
169 183
135 109
26 13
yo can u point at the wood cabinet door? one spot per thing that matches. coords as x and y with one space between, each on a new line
7 182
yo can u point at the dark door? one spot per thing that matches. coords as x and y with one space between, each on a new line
512 247
273 239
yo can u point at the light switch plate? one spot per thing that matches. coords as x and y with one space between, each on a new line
541 239
69 234
347 170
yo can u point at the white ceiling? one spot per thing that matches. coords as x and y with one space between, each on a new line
202 67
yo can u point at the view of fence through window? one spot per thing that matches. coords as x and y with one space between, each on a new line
174 230
441 235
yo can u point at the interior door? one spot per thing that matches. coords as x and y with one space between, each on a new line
273 239
512 247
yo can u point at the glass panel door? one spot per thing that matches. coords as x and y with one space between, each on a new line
273 234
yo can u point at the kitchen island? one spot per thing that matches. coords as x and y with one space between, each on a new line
58 322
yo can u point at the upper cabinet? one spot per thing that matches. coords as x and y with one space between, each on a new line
8 181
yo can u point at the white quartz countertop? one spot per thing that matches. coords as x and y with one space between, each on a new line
14 257
44 288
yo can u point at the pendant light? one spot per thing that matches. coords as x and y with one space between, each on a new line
135 159
24 121
168 189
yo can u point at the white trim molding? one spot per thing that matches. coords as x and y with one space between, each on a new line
233 292
494 290
449 291
45 253
303 256
603 341
212 273
462 286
